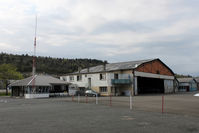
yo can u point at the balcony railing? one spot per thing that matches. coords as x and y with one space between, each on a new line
121 81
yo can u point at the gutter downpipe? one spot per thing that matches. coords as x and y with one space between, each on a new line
133 89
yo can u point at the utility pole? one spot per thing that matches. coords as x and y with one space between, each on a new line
34 58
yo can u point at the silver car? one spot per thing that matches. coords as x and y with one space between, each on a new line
91 93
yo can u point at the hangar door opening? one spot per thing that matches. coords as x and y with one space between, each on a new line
150 85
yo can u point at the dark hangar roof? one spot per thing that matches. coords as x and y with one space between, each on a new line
114 66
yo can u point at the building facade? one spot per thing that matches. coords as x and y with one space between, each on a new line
187 84
197 80
125 78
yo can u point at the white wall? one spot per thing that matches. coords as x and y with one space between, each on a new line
31 96
136 86
95 79
168 86
151 75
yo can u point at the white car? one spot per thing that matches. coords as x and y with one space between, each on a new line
197 95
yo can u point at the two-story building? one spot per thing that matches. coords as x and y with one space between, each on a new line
124 78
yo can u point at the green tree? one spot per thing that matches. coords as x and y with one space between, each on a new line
9 72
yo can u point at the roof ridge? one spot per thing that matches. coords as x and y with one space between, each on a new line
133 64
133 61
124 62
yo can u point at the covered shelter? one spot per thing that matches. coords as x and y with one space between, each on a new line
38 86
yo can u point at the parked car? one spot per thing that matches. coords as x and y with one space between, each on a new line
91 93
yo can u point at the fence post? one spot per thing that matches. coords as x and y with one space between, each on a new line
130 102
162 104
110 100
78 98
96 98
86 99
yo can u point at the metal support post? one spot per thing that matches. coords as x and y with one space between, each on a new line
131 102
78 98
162 104
96 98
110 100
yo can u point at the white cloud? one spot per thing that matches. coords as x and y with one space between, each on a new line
8 47
90 14
64 24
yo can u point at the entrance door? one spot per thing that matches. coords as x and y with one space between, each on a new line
187 88
116 91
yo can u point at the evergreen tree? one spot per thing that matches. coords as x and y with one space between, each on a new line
55 66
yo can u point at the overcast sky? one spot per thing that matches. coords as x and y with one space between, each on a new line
112 30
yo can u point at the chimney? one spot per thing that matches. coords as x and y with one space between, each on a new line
104 66
88 69
79 69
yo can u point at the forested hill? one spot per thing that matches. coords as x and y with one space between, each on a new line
47 65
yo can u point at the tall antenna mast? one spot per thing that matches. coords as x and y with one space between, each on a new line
34 57
35 43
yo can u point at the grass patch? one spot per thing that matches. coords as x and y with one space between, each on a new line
4 94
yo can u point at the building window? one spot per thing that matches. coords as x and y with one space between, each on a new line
102 76
82 89
85 75
103 89
116 76
79 77
71 78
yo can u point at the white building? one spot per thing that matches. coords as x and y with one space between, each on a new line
136 77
